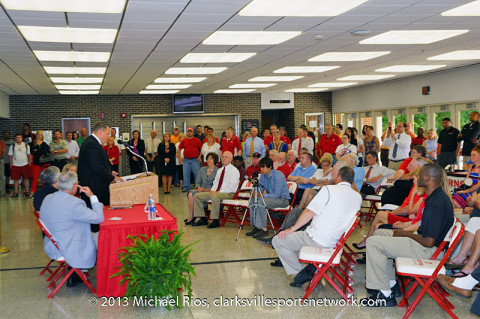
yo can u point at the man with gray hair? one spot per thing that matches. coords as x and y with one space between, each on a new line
292 159
68 219
352 160
50 185
282 165
253 144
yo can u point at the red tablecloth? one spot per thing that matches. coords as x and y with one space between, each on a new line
113 235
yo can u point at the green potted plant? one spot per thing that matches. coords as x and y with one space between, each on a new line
157 268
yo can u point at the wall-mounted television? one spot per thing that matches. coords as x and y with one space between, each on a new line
188 103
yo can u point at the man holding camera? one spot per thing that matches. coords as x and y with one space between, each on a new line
273 186
399 144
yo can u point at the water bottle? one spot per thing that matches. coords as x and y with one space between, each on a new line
150 200
152 212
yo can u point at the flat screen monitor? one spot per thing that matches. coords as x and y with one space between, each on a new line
188 103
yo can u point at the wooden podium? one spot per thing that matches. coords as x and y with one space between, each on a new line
134 190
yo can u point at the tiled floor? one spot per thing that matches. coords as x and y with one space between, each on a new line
23 293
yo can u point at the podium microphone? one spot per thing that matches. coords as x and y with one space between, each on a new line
129 147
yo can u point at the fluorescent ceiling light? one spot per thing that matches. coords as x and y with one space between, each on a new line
69 35
412 36
205 70
366 77
299 8
252 85
347 56
180 80
471 9
159 91
331 84
94 6
234 91
215 57
305 69
168 87
77 87
410 68
280 78
306 90
72 56
74 70
249 37
458 55
75 80
78 92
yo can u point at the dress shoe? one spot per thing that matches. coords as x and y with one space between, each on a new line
305 275
214 224
396 291
276 263
201 222
379 300
362 261
253 231
358 248
262 233
74 280
447 282
189 222
266 240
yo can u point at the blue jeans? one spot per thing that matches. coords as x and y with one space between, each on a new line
190 165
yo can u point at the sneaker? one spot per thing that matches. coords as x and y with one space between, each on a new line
253 232
379 300
262 233
14 195
276 263
305 275
396 291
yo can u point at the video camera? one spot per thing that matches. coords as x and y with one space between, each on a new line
254 179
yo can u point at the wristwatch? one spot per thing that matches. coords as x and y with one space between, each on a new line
293 229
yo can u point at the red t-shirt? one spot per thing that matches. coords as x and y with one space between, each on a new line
113 152
191 146
404 165
252 168
285 169
329 144
232 145
418 140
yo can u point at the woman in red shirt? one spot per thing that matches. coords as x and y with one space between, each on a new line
113 153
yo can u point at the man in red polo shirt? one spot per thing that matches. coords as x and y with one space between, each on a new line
192 157
231 143
254 167
282 164
292 159
328 142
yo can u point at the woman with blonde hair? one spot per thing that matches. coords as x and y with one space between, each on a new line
40 153
70 167
321 177
210 146
113 153
431 145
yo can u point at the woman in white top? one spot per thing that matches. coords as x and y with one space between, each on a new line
345 148
210 146
431 144
321 177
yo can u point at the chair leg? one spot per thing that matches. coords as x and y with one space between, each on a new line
59 267
47 268
63 281
61 272
85 280
313 283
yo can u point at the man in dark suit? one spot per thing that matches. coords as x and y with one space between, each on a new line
94 168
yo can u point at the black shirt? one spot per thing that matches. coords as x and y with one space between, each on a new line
469 133
437 218
448 139
41 194
201 137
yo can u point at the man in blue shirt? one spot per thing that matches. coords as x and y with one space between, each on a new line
252 145
352 160
274 189
302 174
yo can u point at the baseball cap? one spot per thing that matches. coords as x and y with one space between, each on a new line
189 129
176 128
257 155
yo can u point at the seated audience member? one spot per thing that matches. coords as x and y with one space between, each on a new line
386 244
282 165
302 142
272 154
301 175
68 219
460 197
274 189
254 167
352 161
238 163
321 177
402 178
304 150
374 173
204 182
224 186
345 148
292 159
69 168
277 144
49 179
330 213
463 286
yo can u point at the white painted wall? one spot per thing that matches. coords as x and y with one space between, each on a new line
457 85
4 106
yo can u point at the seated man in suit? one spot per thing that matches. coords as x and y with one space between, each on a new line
330 213
224 186
68 219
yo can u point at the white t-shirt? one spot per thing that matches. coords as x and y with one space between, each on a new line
215 148
359 142
177 161
345 149
334 207
318 175
20 156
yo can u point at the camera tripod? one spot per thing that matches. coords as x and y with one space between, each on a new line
254 206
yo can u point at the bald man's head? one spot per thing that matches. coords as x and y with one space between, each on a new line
227 158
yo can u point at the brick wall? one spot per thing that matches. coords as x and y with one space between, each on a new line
312 103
